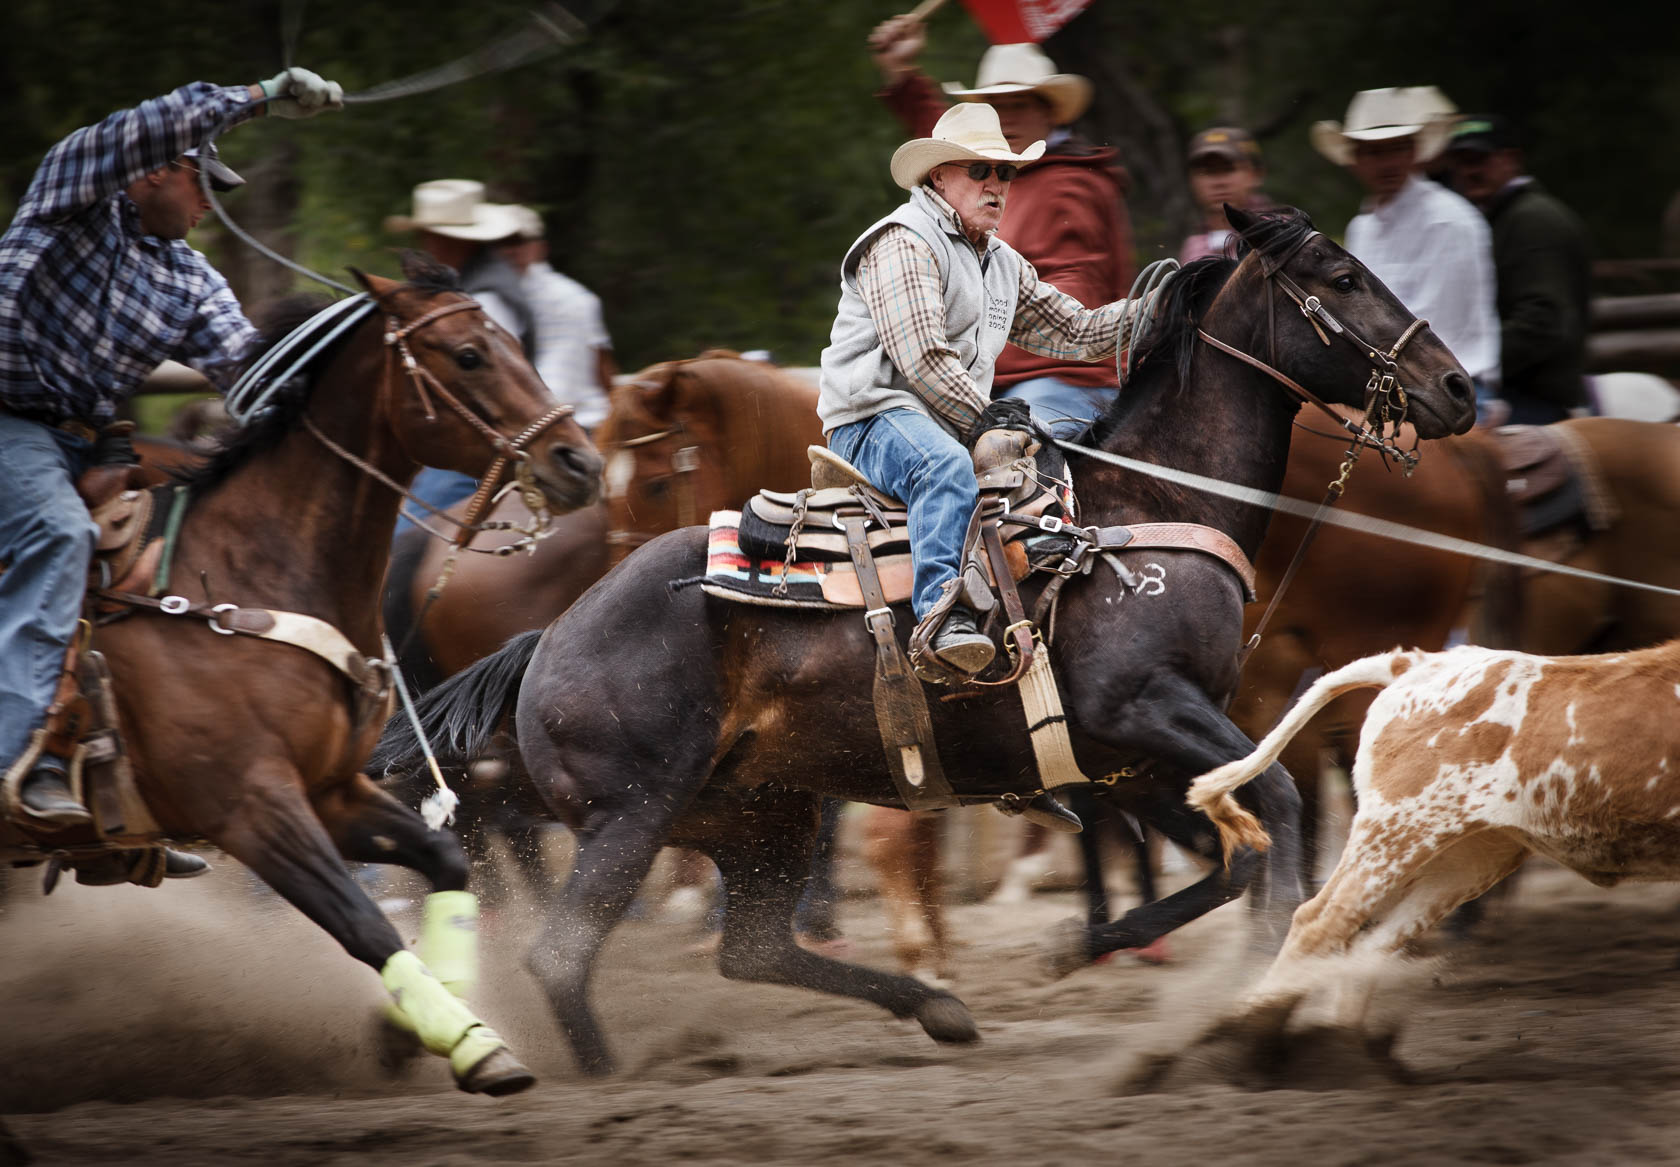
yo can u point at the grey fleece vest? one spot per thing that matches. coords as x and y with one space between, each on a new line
858 380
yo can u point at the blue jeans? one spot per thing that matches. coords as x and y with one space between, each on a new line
912 457
441 488
1065 410
46 541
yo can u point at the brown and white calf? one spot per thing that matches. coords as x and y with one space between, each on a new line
1470 760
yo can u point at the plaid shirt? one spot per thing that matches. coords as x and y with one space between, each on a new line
89 304
899 280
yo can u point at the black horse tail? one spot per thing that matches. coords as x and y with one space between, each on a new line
461 715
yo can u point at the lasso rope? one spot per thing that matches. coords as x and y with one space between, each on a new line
545 31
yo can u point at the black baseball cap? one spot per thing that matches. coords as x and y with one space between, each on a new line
1481 133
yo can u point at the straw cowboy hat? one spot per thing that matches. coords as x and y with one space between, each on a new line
964 133
1377 115
1025 69
455 207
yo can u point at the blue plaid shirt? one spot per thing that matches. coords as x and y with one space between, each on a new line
89 305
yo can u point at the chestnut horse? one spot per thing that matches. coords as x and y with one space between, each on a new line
259 747
649 714
683 438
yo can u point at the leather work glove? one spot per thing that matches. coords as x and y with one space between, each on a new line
1001 415
298 93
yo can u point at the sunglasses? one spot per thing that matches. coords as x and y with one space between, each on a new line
1006 171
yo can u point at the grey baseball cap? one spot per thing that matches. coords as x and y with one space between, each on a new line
222 176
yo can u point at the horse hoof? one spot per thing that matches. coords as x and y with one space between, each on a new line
946 1019
1065 949
483 1065
498 1073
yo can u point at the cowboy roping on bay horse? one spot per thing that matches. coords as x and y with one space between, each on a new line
97 287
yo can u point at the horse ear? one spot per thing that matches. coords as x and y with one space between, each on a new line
377 287
657 389
1239 219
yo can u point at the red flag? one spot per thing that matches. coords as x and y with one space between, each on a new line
1010 22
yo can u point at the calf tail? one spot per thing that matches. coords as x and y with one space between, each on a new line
1211 793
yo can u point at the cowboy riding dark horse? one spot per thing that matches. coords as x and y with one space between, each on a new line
929 298
97 287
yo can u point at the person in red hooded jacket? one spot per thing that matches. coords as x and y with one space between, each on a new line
1067 212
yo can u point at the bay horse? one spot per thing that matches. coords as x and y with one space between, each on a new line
649 714
258 747
682 439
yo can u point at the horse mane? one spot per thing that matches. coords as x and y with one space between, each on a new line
1164 353
275 320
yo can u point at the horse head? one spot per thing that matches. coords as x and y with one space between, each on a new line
685 438
1335 329
459 394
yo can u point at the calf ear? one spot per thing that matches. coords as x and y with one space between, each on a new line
1239 219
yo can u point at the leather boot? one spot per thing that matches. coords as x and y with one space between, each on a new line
45 794
1052 815
122 866
960 643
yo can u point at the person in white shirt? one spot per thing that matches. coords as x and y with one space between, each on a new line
574 353
1432 248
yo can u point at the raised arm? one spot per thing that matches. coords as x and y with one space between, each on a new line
96 161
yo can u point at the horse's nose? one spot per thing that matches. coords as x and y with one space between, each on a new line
1459 387
577 462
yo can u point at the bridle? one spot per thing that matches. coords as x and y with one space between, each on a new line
509 451
685 467
1386 401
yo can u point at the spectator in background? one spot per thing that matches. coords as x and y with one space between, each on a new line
1067 212
1542 267
1431 247
457 227
574 352
1225 167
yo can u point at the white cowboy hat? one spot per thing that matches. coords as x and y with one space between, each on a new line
1376 115
1025 69
455 207
963 133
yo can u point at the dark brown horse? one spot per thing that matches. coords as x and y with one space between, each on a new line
258 747
683 438
649 714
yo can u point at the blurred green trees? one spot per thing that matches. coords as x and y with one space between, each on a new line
702 164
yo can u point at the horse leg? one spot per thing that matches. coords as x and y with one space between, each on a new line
891 847
275 832
814 917
615 851
929 876
764 853
1032 860
1082 800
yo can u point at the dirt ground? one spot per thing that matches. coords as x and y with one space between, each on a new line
202 1024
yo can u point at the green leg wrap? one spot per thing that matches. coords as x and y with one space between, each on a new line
439 1018
449 940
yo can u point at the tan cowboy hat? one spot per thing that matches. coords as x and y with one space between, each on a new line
1025 69
964 133
1376 115
455 207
